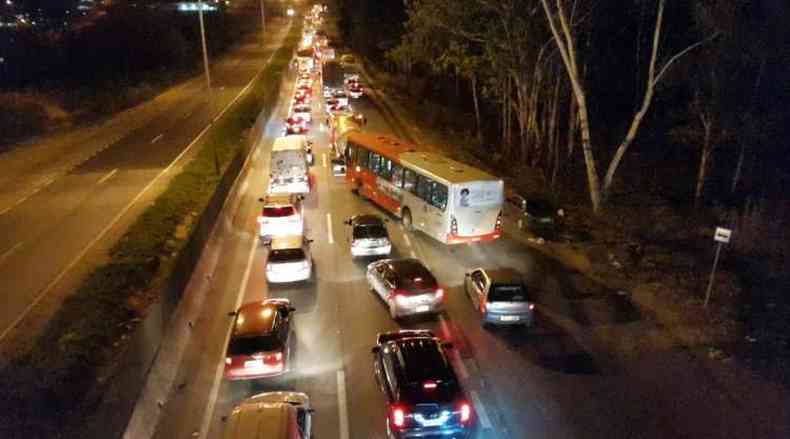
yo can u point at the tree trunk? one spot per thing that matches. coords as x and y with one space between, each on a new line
477 109
704 161
738 167
573 125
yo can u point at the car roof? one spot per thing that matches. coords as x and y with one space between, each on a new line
504 275
421 358
286 242
367 220
255 318
407 266
279 199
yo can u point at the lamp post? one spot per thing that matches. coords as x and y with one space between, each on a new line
203 39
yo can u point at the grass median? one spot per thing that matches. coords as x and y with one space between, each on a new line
52 379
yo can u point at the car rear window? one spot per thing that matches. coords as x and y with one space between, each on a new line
508 293
369 231
414 276
278 211
255 344
287 255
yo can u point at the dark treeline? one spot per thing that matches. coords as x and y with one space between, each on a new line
708 128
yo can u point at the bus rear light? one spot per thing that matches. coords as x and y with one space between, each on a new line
453 226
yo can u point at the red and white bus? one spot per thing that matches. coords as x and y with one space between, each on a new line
447 200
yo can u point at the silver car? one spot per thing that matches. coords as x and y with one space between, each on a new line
369 236
406 286
500 296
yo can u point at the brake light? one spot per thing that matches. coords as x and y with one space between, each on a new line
398 417
466 412
499 221
454 226
273 358
429 385
531 306
439 294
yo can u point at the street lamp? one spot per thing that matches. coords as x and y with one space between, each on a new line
203 39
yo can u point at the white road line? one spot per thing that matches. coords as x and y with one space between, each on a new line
212 399
107 228
481 411
406 238
443 326
329 228
324 159
8 252
108 176
342 404
157 138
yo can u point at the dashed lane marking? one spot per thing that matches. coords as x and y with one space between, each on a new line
324 159
107 177
157 138
8 252
480 409
342 404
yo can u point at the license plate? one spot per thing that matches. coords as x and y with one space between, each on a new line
253 363
423 308
508 318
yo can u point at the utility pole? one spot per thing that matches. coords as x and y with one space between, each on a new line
203 39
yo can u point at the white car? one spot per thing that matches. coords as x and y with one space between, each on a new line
281 215
289 259
302 111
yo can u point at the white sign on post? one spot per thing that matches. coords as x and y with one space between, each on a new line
722 235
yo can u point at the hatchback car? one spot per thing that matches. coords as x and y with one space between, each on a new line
281 215
501 296
424 395
406 286
289 259
369 236
259 342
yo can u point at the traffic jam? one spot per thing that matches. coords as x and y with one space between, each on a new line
446 200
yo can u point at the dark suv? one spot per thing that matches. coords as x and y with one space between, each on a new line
424 395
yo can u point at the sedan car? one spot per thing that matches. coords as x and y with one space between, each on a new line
369 236
281 215
406 286
424 396
302 111
259 343
289 259
501 296
302 99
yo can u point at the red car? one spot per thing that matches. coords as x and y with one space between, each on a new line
259 344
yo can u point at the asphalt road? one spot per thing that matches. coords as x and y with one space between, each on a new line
47 233
544 382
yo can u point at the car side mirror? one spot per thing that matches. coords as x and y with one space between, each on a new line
291 309
375 350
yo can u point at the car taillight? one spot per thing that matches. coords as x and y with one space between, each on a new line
454 226
439 294
499 222
398 417
531 306
466 412
429 385
273 358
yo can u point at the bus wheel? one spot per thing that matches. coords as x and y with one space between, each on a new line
406 220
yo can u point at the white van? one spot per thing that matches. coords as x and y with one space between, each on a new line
289 165
271 415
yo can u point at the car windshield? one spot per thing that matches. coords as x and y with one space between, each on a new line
508 293
278 211
287 255
254 344
369 231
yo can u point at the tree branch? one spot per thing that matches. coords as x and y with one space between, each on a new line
680 54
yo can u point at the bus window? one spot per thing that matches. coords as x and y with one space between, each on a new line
439 196
397 175
424 187
362 157
410 181
374 162
385 168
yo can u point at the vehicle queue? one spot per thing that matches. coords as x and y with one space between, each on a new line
447 200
